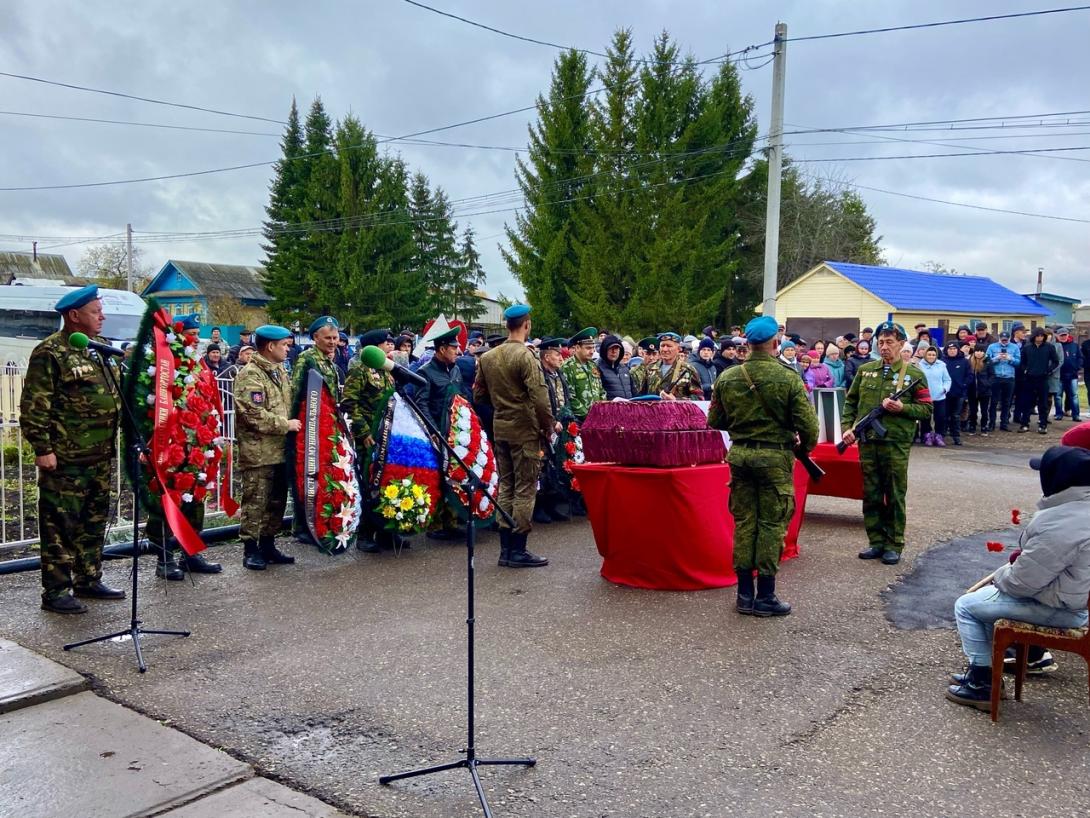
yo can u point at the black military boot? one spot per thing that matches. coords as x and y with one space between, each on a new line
505 547
975 690
577 506
519 557
871 553
766 603
744 602
273 555
197 564
97 590
540 514
167 567
251 556
63 604
555 513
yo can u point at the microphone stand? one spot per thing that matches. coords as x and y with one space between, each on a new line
472 485
139 448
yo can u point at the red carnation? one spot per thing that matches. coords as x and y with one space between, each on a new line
184 480
196 403
196 457
335 523
573 428
199 493
204 435
575 485
994 546
569 447
175 392
178 326
175 456
188 419
1016 516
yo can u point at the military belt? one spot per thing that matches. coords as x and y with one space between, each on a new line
763 444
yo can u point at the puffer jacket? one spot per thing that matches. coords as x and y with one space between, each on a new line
1054 566
938 379
616 377
958 367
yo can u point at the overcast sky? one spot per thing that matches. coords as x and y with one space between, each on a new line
401 69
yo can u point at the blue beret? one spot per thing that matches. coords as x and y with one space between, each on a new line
760 329
191 321
891 326
271 332
375 337
670 336
323 321
516 311
77 298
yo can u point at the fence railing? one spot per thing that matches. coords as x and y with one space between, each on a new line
18 475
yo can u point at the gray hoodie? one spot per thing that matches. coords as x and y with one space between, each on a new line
1054 567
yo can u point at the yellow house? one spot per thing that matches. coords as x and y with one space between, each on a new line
836 297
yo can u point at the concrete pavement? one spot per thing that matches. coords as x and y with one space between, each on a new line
329 673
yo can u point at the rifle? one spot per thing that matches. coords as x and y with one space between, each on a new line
870 425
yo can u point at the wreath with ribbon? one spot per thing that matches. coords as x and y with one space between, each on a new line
467 438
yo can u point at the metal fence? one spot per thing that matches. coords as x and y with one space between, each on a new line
18 475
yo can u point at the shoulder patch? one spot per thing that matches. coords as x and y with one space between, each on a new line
257 397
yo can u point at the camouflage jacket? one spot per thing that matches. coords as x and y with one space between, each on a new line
362 398
69 406
872 385
313 358
584 385
262 403
509 378
559 395
782 410
681 380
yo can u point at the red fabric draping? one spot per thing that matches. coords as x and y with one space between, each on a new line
669 529
843 473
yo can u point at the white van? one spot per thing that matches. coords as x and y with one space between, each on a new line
27 316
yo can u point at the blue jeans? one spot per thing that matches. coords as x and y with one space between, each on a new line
1069 391
976 614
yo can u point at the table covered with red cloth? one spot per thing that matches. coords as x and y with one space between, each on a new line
669 529
843 472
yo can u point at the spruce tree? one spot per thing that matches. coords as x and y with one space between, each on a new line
469 279
320 210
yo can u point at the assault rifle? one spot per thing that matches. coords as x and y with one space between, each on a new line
870 425
813 469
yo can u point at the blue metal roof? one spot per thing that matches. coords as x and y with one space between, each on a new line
938 292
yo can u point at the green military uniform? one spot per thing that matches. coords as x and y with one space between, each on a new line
680 380
584 386
762 488
320 361
70 408
885 461
262 403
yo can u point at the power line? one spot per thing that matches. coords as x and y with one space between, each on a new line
135 124
937 24
1027 151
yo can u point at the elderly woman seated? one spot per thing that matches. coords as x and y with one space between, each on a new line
1047 581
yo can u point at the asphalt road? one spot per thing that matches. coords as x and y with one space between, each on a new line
635 703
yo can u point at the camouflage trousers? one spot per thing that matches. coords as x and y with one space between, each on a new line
885 483
73 509
518 465
158 531
762 502
264 498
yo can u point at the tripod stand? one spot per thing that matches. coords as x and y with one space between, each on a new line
471 485
139 447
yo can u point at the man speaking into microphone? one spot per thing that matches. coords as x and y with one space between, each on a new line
69 413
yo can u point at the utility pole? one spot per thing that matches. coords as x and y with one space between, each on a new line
775 163
128 252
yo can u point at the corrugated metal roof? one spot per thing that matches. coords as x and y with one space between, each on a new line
938 292
234 281
1064 299
14 264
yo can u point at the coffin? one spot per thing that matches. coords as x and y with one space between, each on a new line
652 433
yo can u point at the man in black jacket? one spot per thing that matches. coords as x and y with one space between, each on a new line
616 378
1039 359
443 382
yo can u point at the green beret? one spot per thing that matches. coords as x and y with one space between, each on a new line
77 298
448 338
650 342
670 336
271 332
191 321
586 334
375 337
760 329
892 326
516 311
323 321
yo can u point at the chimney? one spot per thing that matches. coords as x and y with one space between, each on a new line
35 252
1040 278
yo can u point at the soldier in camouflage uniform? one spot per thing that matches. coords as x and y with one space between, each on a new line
326 334
582 375
649 358
553 484
262 406
672 377
68 413
510 379
885 460
363 401
765 408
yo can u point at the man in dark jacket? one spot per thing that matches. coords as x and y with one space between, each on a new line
982 334
1069 376
958 367
1039 359
704 364
727 357
443 382
616 378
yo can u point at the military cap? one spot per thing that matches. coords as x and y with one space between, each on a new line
669 336
891 326
551 343
650 342
760 329
77 298
271 332
448 338
476 334
516 311
585 334
375 337
322 321
494 340
191 321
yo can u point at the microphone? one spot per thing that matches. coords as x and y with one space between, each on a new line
374 358
81 341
